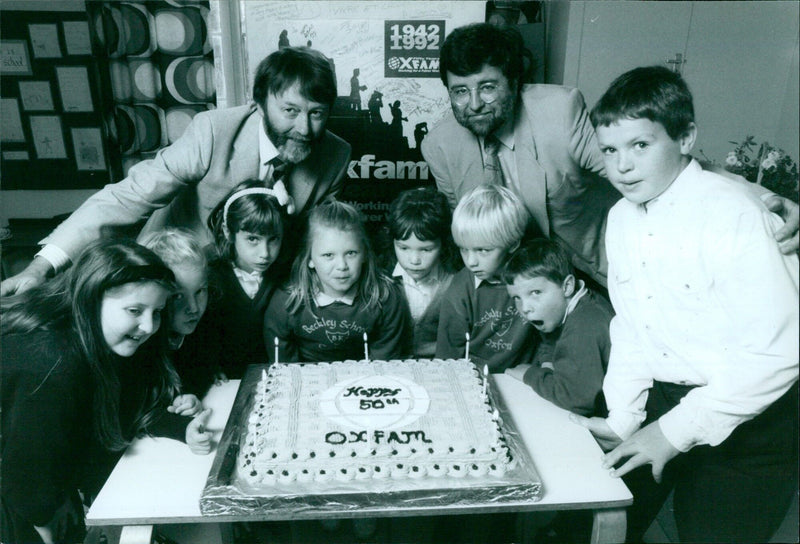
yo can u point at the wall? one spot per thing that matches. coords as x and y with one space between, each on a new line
787 137
40 204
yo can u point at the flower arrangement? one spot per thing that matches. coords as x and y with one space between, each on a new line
765 165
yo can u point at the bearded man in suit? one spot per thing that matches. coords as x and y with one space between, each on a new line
281 134
536 140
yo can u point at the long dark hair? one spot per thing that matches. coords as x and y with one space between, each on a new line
72 302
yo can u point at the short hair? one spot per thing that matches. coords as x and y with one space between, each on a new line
490 213
290 65
176 247
468 48
538 258
650 92
425 213
257 213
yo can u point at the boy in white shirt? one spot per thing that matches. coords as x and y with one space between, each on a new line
702 376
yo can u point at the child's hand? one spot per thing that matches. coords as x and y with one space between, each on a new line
220 378
198 438
599 428
185 405
518 371
647 445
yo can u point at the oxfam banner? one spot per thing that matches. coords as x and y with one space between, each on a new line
386 59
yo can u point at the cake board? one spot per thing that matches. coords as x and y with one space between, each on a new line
227 494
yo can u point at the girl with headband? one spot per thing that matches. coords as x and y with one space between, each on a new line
248 228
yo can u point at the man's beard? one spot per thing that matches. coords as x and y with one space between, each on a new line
485 127
291 147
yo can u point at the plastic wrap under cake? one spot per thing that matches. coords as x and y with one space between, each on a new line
228 494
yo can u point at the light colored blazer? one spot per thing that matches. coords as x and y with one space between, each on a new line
559 165
183 183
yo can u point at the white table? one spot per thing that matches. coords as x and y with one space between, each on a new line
159 481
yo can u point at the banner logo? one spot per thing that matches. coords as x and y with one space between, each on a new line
411 48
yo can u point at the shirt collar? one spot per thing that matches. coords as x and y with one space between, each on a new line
324 299
582 290
254 275
266 149
685 181
505 134
400 272
479 282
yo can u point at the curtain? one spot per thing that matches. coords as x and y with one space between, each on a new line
157 72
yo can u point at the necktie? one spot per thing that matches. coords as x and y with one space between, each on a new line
491 162
279 170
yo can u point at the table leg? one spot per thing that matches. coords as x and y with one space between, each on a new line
609 526
136 534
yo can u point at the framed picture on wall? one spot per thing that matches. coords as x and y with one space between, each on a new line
36 95
88 144
15 58
48 138
44 41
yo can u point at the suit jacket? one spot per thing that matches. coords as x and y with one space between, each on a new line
183 183
559 165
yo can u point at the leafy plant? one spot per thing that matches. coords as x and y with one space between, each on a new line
765 165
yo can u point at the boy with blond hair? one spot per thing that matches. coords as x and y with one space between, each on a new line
488 224
702 376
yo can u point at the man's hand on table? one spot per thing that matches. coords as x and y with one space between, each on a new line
787 236
34 274
646 446
198 437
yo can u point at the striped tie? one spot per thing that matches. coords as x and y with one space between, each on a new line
491 162
279 170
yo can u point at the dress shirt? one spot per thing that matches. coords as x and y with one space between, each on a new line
419 293
703 297
250 281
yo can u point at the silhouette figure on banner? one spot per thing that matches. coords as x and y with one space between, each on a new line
283 39
355 89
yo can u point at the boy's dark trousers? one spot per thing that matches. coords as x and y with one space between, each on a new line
737 491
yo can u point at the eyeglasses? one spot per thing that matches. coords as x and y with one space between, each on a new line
488 92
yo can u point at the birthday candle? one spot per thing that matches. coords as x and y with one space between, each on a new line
485 378
276 349
366 348
466 354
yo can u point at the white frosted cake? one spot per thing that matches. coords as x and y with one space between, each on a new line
357 420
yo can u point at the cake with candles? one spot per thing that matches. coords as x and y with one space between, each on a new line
366 420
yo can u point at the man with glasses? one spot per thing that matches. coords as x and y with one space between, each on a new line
536 140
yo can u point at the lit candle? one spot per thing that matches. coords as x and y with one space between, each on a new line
485 378
466 354
366 348
264 374
495 414
276 349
